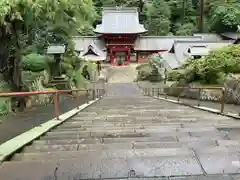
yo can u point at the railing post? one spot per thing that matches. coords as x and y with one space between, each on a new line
87 95
179 96
148 91
97 91
56 105
77 100
93 94
165 94
223 99
158 92
199 96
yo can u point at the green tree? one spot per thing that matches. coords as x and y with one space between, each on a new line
223 16
185 29
212 68
38 23
158 18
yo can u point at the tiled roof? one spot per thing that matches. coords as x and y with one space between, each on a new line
237 41
209 36
160 42
90 57
181 47
120 21
90 48
233 36
198 50
82 42
170 60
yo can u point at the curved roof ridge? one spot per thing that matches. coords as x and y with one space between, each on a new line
172 37
118 9
202 41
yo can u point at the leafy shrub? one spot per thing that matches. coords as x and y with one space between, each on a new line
155 76
79 78
212 68
34 62
5 103
174 75
149 71
186 29
144 71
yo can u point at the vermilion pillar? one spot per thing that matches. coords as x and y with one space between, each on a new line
129 56
137 57
111 56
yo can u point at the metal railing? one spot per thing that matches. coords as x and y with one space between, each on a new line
162 92
96 93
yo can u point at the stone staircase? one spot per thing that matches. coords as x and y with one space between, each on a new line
129 136
122 74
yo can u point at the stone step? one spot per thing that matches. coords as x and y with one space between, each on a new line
120 126
135 119
113 129
96 124
77 167
106 165
76 147
109 153
133 107
127 145
68 141
102 132
131 134
138 131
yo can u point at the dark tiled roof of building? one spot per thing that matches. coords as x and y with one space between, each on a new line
181 48
147 43
120 21
209 36
90 48
237 41
170 60
231 36
82 42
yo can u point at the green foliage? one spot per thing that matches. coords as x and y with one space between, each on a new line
224 16
213 68
174 75
5 103
29 77
144 71
34 62
158 18
180 16
29 26
151 71
185 29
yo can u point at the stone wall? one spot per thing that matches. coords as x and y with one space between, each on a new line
232 86
232 95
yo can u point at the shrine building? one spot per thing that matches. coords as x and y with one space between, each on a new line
121 38
118 37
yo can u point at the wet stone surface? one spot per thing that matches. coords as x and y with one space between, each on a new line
129 136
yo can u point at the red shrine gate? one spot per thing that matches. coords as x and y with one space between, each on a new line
120 47
116 53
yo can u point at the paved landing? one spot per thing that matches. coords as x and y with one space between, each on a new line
133 137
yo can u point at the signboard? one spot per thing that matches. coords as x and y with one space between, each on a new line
56 49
